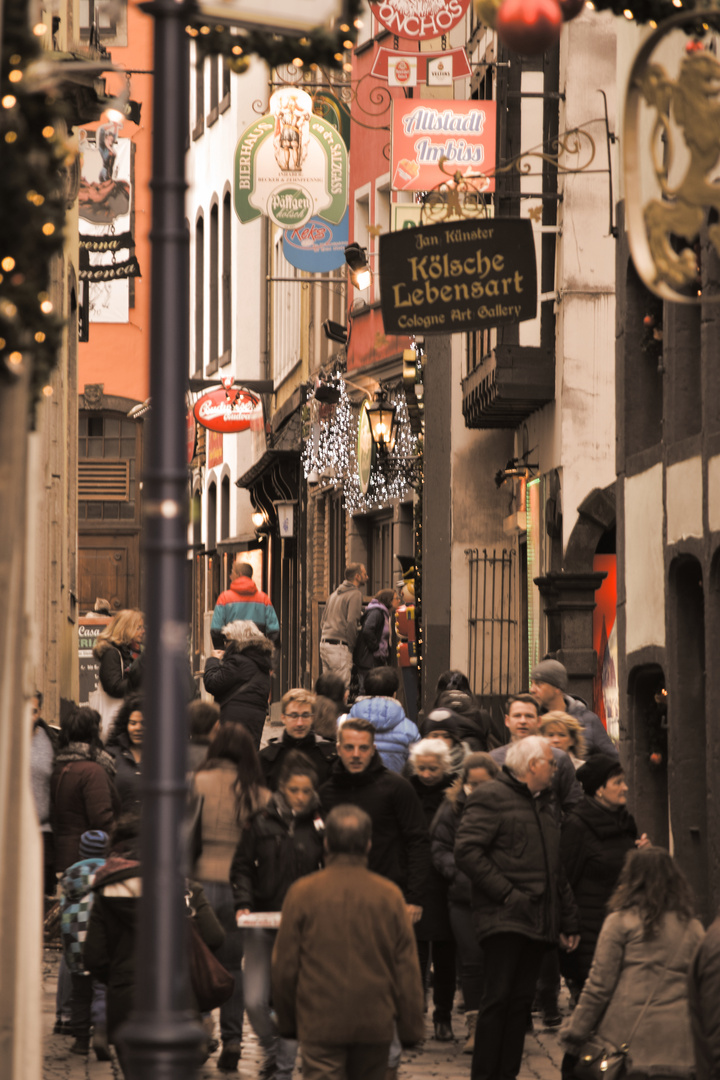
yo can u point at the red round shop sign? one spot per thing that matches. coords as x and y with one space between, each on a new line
418 20
228 411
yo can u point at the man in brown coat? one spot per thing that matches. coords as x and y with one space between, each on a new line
341 992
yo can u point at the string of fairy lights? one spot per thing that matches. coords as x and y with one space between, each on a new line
32 206
329 455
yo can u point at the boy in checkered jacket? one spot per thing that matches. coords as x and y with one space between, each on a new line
87 1005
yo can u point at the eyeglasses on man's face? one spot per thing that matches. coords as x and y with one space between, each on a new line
298 715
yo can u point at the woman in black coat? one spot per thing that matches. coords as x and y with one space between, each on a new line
596 837
125 743
431 776
119 650
477 769
240 677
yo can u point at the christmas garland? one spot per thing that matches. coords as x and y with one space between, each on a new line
320 47
32 207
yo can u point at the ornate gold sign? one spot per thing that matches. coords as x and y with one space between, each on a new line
671 155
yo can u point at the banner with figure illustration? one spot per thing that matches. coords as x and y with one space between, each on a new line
107 259
291 165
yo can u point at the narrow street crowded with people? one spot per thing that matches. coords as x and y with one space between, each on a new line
360 546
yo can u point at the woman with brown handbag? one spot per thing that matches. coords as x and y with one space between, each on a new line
633 1011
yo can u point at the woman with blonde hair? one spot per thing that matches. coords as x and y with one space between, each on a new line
565 733
119 650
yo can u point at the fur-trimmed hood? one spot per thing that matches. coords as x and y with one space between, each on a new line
242 633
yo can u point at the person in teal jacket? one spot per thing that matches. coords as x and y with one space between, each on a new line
394 733
243 600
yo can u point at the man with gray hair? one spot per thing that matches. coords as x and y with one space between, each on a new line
345 968
508 844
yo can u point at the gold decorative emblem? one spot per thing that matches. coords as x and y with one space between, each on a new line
672 149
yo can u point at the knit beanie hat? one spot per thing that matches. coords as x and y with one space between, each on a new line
552 672
94 844
442 720
597 770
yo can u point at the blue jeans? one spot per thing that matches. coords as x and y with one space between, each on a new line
230 954
258 954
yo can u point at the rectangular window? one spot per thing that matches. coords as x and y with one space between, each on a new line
103 21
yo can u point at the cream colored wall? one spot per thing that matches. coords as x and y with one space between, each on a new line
644 565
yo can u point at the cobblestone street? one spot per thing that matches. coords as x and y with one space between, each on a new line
445 1061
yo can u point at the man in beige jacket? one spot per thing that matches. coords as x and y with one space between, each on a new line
341 993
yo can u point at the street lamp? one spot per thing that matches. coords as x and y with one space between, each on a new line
357 261
381 415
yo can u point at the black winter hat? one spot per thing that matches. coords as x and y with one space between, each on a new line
597 770
442 720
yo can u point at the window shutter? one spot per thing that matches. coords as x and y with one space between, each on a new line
100 480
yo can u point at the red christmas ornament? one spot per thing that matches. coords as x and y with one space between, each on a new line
571 8
528 27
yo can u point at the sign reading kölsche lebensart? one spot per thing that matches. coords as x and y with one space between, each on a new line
458 276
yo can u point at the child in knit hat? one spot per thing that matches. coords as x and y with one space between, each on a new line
87 1005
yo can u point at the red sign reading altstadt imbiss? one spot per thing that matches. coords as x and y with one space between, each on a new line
418 20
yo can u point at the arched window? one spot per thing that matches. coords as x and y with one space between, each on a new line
199 295
225 508
213 275
211 535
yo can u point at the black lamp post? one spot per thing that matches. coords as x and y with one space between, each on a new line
162 1039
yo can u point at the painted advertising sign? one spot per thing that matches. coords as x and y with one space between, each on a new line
317 246
458 276
105 204
424 131
228 411
214 449
410 215
418 20
291 165
402 70
432 67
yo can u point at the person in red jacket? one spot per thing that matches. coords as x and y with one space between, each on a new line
243 600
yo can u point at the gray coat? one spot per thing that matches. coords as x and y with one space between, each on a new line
625 969
704 986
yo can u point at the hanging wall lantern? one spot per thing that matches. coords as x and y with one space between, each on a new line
381 415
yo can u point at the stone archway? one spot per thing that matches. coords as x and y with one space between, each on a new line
569 593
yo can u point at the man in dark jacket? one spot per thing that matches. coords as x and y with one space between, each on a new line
508 844
401 844
372 648
243 600
340 623
522 718
549 684
704 1001
298 713
345 970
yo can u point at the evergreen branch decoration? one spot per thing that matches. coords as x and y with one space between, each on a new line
320 47
32 206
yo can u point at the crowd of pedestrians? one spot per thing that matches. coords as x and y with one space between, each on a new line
365 867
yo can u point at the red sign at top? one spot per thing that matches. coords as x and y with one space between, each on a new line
228 411
418 20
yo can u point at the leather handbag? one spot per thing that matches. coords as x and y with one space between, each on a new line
212 984
598 1059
